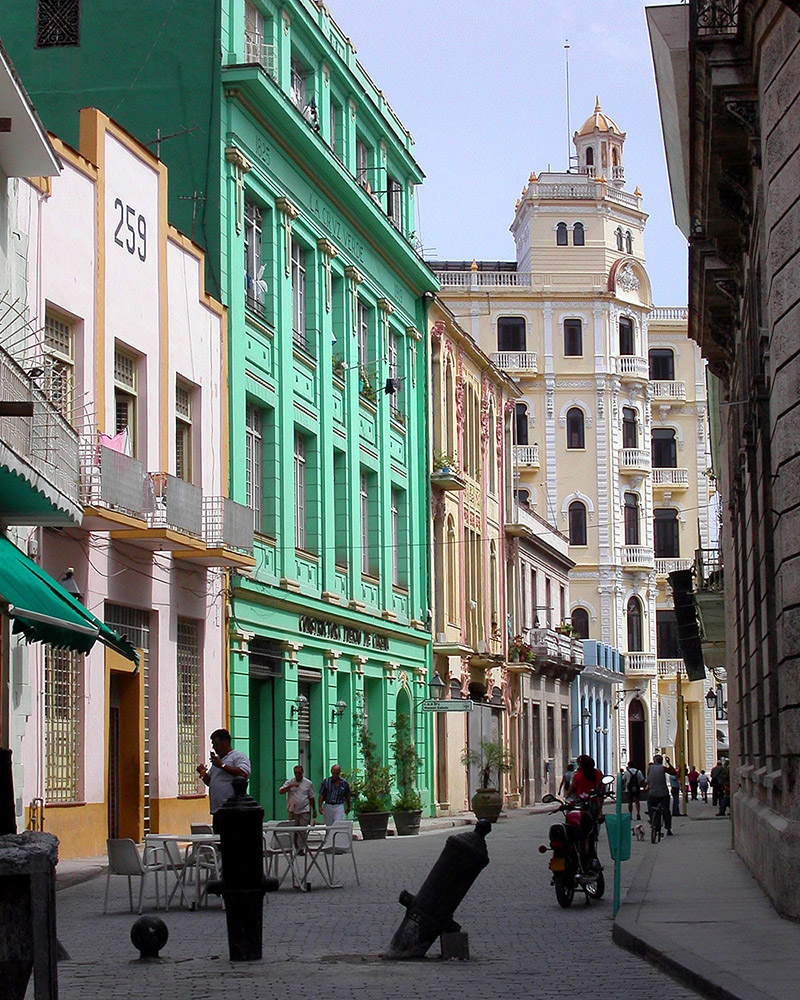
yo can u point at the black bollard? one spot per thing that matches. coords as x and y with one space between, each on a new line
149 935
430 912
240 822
8 809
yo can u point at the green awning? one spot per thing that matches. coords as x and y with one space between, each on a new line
44 612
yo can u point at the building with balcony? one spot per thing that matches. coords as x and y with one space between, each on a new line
289 166
727 77
597 697
613 397
471 574
545 654
132 352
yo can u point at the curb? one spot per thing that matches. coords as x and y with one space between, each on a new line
650 942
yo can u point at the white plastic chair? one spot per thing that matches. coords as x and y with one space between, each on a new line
279 843
179 866
124 859
339 841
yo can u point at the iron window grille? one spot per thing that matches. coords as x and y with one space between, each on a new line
188 664
62 714
57 23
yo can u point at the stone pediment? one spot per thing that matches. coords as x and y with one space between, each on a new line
628 281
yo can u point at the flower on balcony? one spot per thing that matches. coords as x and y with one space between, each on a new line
445 463
367 388
520 650
338 366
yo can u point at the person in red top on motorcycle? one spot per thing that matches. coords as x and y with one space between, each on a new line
588 781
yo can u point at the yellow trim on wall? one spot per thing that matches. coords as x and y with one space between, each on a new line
177 815
81 829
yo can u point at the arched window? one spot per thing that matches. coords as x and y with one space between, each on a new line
575 432
573 338
618 234
662 364
634 616
626 339
589 156
561 234
449 405
577 523
523 498
493 606
663 448
631 519
491 452
580 622
630 428
628 242
578 235
450 561
665 533
520 423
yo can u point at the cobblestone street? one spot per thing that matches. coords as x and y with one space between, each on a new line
329 940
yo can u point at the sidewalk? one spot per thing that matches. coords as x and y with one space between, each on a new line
694 911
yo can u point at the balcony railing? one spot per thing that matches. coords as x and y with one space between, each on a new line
677 479
482 279
262 53
516 361
111 479
637 555
670 312
668 391
668 668
709 565
174 504
632 367
548 644
640 663
227 524
526 454
714 18
635 459
666 566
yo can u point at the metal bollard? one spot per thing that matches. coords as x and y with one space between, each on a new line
242 886
430 912
149 935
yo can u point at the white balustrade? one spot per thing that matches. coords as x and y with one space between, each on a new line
666 566
635 458
637 555
640 663
675 478
526 454
669 312
629 364
668 668
516 361
668 391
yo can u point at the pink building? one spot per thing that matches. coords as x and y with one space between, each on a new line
133 352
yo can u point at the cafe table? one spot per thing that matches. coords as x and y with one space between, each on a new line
193 857
301 847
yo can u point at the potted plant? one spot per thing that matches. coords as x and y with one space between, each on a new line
491 758
445 464
519 650
367 388
370 787
338 366
407 807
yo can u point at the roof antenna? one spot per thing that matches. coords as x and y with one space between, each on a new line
566 66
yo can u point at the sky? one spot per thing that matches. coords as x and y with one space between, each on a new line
480 84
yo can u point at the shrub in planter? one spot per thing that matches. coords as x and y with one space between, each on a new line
407 806
491 758
371 786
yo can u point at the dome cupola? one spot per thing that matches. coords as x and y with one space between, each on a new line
598 144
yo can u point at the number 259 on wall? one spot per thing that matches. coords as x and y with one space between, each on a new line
133 228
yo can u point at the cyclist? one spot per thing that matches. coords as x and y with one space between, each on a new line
658 796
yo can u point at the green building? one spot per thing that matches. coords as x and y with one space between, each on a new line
289 166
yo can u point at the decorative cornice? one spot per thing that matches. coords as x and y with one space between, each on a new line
325 246
288 209
238 159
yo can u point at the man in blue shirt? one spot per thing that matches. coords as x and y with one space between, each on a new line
334 797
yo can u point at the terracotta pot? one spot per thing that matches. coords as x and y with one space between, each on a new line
487 803
373 825
407 823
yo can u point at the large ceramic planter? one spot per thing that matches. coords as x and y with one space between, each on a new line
373 825
487 803
407 823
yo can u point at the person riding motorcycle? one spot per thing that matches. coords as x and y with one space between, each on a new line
588 784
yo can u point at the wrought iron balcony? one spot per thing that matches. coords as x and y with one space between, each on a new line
714 18
41 449
262 53
112 487
710 575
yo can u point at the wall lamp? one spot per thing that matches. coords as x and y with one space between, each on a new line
338 710
636 693
301 702
70 584
436 687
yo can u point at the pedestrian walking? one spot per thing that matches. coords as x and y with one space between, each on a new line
694 779
724 783
300 800
703 783
633 782
657 790
715 789
334 797
566 781
226 764
675 792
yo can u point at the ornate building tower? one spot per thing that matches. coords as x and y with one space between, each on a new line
570 320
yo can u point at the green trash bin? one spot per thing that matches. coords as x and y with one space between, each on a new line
625 835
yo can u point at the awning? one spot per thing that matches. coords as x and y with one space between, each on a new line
44 612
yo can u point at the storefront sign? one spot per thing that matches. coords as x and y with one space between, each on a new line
334 630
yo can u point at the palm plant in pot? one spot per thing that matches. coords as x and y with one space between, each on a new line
371 787
492 759
407 807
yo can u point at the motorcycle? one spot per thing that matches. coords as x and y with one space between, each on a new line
572 866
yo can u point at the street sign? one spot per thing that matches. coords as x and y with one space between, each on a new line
456 705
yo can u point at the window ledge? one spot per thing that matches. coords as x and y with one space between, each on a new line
64 805
398 588
398 425
301 354
370 579
259 322
305 554
192 795
266 539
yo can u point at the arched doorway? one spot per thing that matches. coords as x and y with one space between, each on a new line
636 737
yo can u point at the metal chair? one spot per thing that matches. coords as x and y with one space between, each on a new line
179 866
124 859
339 841
279 843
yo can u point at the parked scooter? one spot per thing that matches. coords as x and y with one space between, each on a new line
574 863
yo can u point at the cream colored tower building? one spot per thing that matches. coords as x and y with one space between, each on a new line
572 319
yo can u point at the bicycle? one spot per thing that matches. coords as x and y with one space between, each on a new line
656 813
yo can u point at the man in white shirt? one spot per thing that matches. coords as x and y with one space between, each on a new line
300 802
226 764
